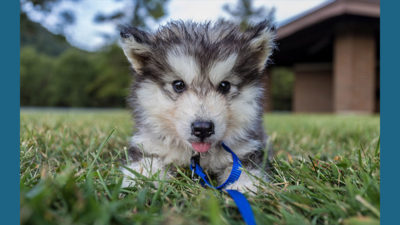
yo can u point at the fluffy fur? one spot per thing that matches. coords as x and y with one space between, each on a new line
202 55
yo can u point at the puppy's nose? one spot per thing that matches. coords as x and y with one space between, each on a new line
202 129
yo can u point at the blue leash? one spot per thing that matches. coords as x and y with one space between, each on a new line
239 199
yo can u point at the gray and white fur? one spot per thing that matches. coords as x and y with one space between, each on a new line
202 56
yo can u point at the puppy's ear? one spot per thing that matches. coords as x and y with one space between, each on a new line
261 42
136 46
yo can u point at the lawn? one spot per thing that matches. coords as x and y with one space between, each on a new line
326 171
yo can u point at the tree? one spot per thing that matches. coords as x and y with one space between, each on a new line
66 17
34 35
53 73
73 71
282 84
142 10
244 13
36 77
110 87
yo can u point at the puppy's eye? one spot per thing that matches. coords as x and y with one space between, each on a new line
179 86
224 87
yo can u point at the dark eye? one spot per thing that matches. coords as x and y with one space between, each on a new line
224 87
179 86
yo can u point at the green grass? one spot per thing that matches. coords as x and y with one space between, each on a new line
326 172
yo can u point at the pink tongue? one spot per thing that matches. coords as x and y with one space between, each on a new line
201 146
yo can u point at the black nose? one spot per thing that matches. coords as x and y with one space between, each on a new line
202 129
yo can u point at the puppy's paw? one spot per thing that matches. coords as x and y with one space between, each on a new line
248 182
244 185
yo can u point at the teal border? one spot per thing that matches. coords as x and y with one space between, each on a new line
390 112
9 100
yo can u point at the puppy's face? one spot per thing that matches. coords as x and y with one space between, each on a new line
198 84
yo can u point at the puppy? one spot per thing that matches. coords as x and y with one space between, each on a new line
198 85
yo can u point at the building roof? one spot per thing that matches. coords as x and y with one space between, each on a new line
367 8
309 38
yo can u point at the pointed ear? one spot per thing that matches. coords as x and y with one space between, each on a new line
261 42
136 46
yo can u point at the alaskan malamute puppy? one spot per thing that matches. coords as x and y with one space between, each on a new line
197 85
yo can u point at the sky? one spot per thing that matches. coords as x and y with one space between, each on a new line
87 35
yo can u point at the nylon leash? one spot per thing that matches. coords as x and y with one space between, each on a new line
239 199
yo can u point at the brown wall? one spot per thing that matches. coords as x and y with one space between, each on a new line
313 88
354 71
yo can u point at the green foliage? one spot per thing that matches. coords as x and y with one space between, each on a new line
111 84
326 171
53 73
73 71
282 85
34 35
36 76
74 78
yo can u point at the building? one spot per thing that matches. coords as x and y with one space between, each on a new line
333 52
